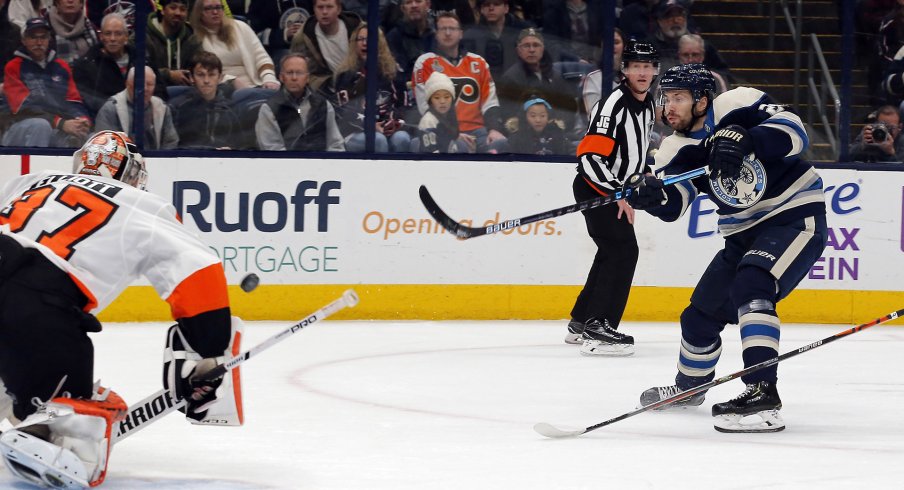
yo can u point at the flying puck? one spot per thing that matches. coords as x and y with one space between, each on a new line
250 282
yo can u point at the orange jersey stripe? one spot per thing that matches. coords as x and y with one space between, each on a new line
596 143
237 378
203 291
594 187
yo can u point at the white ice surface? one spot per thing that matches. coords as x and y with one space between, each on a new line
443 405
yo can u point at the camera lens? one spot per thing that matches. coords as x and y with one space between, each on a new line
879 133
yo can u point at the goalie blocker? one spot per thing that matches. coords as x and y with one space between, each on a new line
67 442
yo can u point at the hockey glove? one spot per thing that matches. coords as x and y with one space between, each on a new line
728 147
182 370
646 192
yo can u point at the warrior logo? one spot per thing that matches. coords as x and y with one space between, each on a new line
746 190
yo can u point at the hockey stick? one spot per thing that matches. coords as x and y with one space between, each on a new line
551 431
155 406
465 232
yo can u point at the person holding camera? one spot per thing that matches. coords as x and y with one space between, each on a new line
880 140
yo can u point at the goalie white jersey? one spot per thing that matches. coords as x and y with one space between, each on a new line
69 218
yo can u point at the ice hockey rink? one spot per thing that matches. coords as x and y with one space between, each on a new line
451 405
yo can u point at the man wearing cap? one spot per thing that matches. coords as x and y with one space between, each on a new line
170 44
46 107
533 76
671 24
495 36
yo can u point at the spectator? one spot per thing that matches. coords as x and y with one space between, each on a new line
244 57
573 28
438 130
22 10
170 43
533 75
671 24
74 33
10 39
324 40
638 19
592 89
98 9
476 103
412 36
46 109
297 118
871 146
891 52
495 36
537 133
277 21
350 91
203 115
467 11
102 71
116 114
692 49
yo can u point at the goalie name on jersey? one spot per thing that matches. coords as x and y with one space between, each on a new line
105 188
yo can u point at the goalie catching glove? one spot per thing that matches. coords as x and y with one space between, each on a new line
208 402
647 192
727 149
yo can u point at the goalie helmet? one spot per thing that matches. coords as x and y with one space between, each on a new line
111 154
694 77
640 52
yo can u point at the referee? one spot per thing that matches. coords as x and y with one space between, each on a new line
614 148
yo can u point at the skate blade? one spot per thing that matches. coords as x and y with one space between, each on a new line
765 421
574 338
594 348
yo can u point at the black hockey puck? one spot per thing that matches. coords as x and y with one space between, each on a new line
250 282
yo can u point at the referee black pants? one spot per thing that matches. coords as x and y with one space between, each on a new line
605 292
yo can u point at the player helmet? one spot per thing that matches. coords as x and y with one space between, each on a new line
641 52
694 77
111 154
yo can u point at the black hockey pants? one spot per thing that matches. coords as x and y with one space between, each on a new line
43 330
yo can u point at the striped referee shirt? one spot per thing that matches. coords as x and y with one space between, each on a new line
617 140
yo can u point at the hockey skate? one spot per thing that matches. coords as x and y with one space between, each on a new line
575 333
600 339
758 400
653 395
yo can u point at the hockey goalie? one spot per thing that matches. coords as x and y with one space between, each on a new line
69 245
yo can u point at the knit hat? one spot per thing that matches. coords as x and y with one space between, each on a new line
530 31
439 81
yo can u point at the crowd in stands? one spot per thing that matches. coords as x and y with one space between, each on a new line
453 76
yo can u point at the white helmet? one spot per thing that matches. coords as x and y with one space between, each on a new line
111 154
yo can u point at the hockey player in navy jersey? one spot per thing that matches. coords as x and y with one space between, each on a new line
771 213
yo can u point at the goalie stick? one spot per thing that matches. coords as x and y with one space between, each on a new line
465 232
551 431
157 405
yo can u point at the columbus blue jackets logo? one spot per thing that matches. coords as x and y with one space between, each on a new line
746 190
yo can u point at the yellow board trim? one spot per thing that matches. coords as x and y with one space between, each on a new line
493 302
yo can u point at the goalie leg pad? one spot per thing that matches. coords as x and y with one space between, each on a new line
180 361
77 447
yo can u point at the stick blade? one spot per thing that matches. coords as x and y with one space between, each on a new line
548 430
463 232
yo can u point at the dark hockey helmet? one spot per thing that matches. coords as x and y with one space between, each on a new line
694 77
639 51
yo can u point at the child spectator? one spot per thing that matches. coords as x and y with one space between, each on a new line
537 134
351 85
438 129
